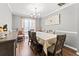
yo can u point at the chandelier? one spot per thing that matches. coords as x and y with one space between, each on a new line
35 14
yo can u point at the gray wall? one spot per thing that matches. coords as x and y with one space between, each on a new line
5 16
68 24
77 17
15 22
67 20
38 24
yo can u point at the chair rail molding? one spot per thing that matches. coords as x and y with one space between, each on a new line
71 32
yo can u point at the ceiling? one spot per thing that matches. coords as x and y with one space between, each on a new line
25 9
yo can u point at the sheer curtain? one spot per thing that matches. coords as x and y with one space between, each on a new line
29 24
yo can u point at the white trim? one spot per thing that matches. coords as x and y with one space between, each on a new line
70 47
65 6
66 31
10 7
77 53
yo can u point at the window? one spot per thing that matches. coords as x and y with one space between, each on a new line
30 24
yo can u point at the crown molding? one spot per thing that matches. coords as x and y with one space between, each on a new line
10 8
65 6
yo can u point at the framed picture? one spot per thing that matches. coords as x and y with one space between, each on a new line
53 20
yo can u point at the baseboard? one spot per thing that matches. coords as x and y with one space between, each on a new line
70 47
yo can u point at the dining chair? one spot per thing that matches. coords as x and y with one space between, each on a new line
29 34
57 49
37 46
20 36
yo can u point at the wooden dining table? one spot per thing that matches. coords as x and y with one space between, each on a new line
46 39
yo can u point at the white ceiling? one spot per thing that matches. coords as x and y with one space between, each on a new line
25 9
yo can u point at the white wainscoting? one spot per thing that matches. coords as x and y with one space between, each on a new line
71 38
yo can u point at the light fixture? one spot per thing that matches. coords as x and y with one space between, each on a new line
35 10
35 14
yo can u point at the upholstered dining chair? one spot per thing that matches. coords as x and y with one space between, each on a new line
29 34
37 46
20 36
57 49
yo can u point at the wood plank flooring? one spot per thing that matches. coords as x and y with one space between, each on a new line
23 49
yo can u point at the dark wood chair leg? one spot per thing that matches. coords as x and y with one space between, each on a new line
28 42
43 53
61 53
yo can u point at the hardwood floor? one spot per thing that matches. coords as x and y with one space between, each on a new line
23 49
69 52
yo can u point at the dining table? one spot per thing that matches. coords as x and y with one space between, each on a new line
46 39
